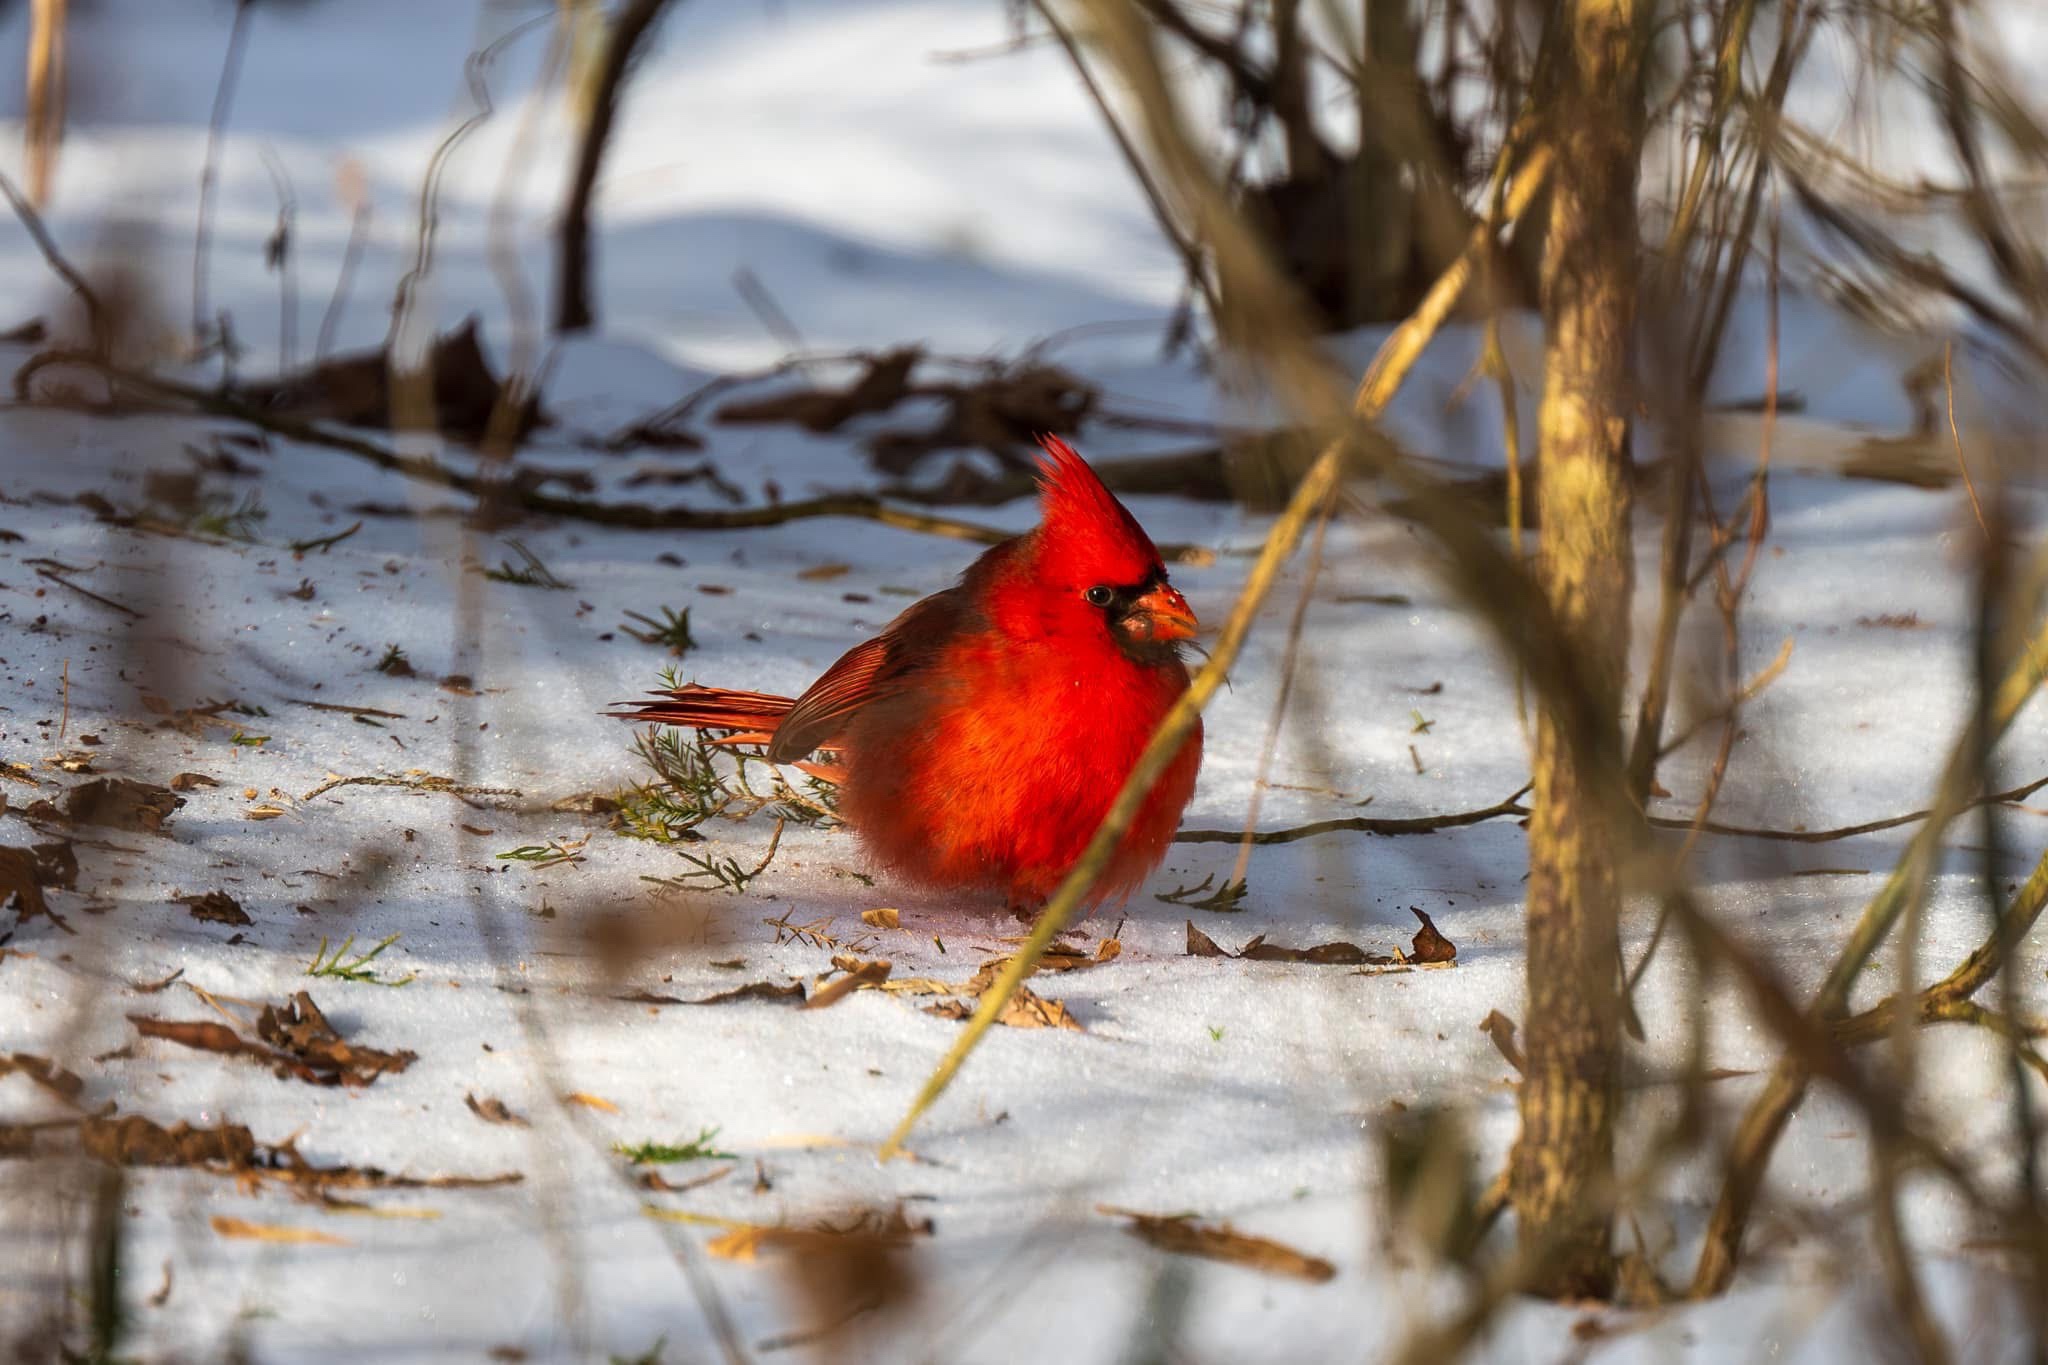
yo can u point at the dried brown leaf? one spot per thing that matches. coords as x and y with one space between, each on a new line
1501 1030
493 1110
884 918
136 1141
858 973
1184 1235
776 992
1337 954
20 883
203 1034
121 803
65 1085
215 907
1027 1009
1430 945
302 1032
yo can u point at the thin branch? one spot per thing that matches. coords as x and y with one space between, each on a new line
95 315
573 311
418 784
636 516
209 173
1190 254
1948 384
1290 662
1425 824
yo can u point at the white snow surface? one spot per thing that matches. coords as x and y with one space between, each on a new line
883 196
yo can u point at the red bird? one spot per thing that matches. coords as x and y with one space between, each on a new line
982 735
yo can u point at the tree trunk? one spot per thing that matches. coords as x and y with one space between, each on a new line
1562 1172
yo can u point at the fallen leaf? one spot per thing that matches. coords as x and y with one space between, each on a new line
1258 950
63 1084
917 985
1025 1009
589 1101
121 803
1501 1030
301 1031
492 1110
215 907
1184 1235
203 1034
1327 954
1430 946
136 1141
20 883
819 573
302 1044
881 919
185 782
787 992
273 1232
858 973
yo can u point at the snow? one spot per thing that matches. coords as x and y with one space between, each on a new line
978 207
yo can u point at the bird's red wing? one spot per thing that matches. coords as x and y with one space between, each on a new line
881 667
821 712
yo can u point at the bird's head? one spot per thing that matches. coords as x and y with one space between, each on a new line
1095 569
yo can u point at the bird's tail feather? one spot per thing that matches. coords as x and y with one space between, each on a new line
708 708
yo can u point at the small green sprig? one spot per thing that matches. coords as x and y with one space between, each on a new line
698 1148
358 970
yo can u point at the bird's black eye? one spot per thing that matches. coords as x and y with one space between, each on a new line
1100 595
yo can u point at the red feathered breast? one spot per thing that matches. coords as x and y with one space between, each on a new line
992 771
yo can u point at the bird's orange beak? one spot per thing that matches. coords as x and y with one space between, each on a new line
1161 615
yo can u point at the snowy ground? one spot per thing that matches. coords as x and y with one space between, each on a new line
1252 1092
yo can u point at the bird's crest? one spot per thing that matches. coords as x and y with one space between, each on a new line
1087 522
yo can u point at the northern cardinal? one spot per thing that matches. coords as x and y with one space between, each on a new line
982 735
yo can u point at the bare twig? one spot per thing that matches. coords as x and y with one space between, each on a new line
95 316
55 577
209 173
1948 383
1425 824
420 783
573 310
638 516
1190 254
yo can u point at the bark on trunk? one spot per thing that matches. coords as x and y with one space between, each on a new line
1562 1172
